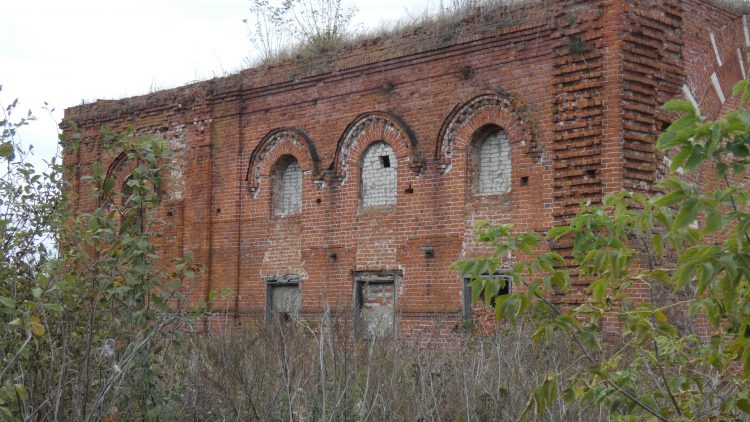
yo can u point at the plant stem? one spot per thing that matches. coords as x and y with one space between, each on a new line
591 360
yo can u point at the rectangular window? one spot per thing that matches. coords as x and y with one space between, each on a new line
375 303
468 306
282 298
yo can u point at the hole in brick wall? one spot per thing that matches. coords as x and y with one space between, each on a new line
318 201
467 72
591 173
169 213
504 282
525 181
385 161
218 210
409 190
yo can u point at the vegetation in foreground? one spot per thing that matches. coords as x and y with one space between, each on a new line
89 330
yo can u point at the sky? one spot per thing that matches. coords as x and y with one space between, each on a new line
67 52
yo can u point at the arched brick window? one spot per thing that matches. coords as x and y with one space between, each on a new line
491 159
378 185
287 186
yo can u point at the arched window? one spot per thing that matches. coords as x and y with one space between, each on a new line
287 186
492 161
378 185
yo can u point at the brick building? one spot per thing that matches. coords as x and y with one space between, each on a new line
351 181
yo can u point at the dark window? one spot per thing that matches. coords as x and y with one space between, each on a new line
505 288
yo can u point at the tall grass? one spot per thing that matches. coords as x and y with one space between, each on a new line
301 371
441 26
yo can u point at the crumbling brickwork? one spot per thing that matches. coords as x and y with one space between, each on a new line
280 173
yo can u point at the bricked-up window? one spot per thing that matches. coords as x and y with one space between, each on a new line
505 288
492 161
378 176
282 298
375 304
287 186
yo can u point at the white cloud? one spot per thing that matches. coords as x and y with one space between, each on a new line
65 52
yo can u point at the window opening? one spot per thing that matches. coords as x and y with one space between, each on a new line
378 175
375 304
493 162
287 186
505 288
283 298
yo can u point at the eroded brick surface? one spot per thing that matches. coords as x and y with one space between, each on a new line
576 86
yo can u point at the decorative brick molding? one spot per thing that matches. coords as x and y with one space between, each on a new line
576 85
274 145
120 167
372 127
120 170
491 108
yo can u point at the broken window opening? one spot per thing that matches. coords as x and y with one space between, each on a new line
505 280
386 161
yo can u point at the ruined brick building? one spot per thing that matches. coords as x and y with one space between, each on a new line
351 180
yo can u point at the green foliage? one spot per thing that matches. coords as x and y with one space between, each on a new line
670 272
87 314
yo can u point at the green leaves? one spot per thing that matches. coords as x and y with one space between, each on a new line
680 105
656 265
69 285
7 151
687 214
542 397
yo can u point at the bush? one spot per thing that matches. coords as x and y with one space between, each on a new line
86 324
690 241
296 371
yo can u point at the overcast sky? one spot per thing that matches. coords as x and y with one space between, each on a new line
66 52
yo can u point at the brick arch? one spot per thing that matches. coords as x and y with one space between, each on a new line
119 170
276 144
371 127
120 167
490 108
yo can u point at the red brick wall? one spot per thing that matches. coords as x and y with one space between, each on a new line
576 85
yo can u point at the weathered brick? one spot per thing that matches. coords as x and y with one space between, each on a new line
267 178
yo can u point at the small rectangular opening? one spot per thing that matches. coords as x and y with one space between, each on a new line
525 181
468 306
386 161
